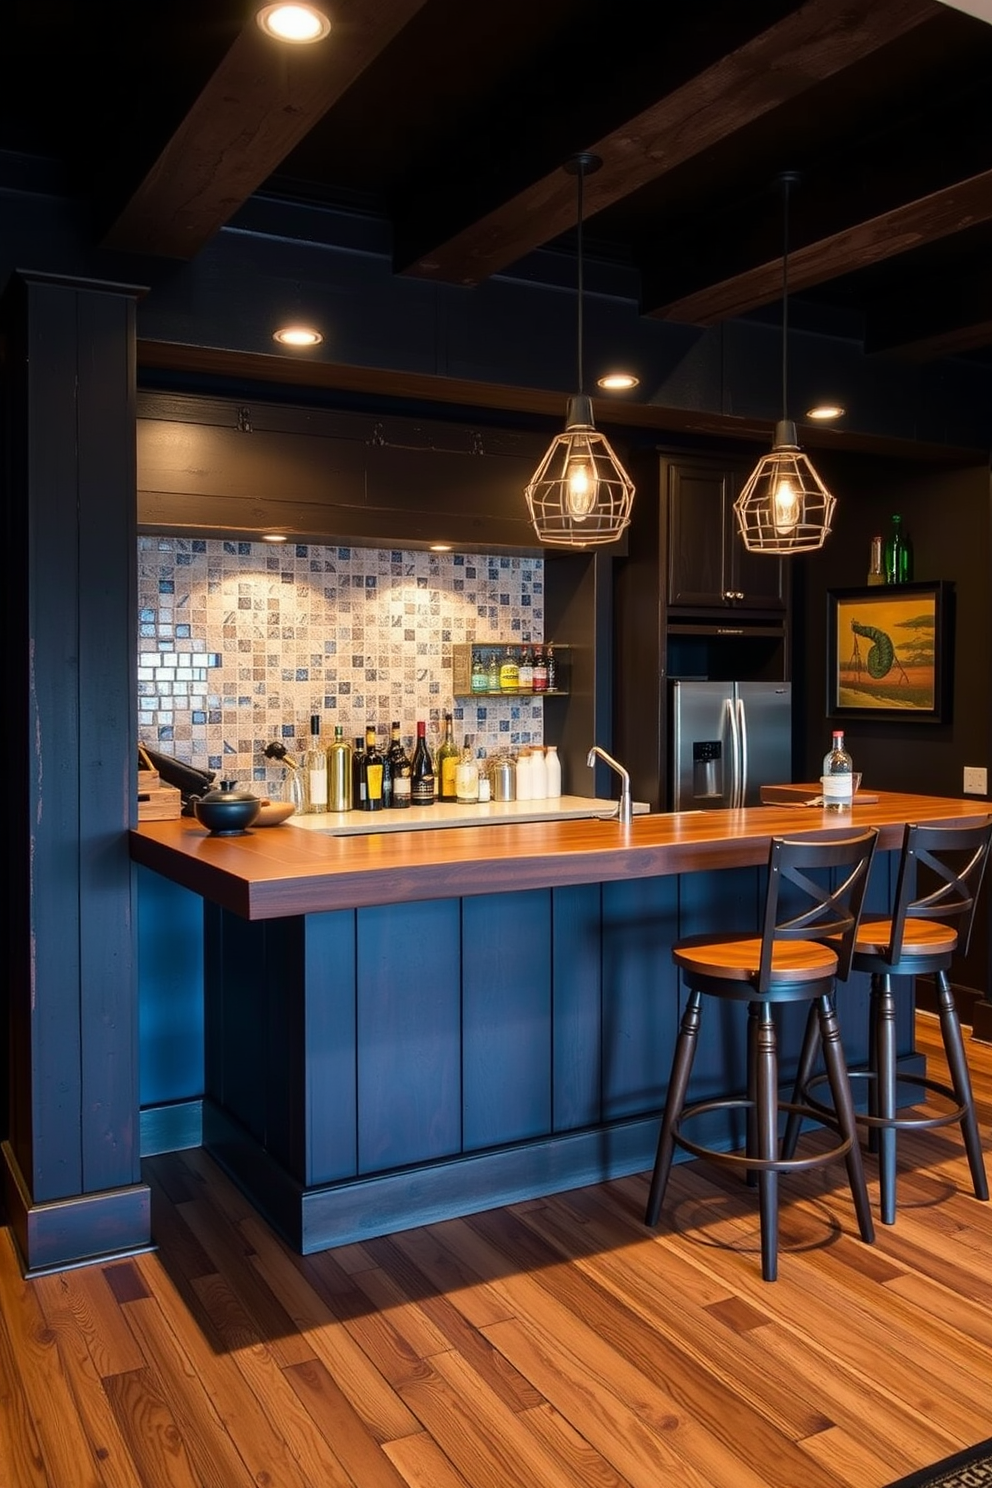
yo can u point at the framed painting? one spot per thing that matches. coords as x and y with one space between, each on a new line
887 652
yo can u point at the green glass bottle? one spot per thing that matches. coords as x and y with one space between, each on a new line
898 554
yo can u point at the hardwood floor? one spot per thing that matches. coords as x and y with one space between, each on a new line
553 1343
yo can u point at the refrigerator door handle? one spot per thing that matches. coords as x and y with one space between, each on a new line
736 795
742 749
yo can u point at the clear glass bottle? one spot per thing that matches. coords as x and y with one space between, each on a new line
421 771
446 763
525 671
492 671
400 771
315 768
339 772
467 776
480 673
876 563
837 781
373 769
551 663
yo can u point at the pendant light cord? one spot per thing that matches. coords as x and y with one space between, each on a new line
785 297
579 174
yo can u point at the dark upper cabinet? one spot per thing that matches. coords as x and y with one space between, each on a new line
708 566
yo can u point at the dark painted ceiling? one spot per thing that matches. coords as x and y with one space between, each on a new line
453 119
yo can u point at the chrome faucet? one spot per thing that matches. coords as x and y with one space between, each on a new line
624 808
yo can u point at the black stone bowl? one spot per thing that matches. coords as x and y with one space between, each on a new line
227 812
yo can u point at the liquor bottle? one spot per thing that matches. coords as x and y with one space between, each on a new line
387 772
876 564
837 781
492 674
467 776
400 771
551 662
372 772
339 772
898 554
357 775
480 673
540 670
509 672
447 762
525 672
315 768
422 771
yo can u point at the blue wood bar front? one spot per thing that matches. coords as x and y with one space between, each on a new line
378 1065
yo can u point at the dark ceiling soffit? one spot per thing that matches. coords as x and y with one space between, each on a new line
372 382
262 100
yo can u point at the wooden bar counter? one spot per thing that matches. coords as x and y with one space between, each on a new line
405 1026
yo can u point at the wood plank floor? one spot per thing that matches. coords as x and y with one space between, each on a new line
548 1344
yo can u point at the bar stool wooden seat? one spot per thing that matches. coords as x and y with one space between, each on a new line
932 916
815 890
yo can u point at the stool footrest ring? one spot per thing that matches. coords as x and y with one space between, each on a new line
898 1123
823 1118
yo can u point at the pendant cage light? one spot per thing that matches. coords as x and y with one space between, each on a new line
580 495
784 508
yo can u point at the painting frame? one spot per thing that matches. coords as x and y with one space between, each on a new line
888 652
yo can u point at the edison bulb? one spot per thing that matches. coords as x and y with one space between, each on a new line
785 506
581 489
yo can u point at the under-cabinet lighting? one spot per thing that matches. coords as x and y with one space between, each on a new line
274 537
297 23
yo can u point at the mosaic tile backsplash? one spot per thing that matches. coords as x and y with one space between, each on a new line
239 642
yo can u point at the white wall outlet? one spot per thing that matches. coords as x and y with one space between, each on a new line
976 780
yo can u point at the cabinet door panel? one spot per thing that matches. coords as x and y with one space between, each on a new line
697 498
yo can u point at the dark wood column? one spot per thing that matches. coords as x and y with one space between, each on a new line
70 1155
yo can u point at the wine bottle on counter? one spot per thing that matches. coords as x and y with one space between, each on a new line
315 768
387 774
358 775
373 767
339 772
401 771
447 763
421 771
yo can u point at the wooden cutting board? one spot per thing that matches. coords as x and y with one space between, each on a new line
798 795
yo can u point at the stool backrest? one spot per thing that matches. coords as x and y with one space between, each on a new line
956 857
825 908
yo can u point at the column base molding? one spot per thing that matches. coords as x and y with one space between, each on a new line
75 1231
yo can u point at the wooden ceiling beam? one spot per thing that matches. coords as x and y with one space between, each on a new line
260 102
939 215
816 41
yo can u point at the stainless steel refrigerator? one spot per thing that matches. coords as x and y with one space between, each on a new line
728 740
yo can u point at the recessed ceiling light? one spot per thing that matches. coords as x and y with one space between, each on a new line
825 411
296 23
274 537
297 336
617 382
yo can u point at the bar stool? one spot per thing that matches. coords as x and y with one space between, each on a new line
789 961
932 917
